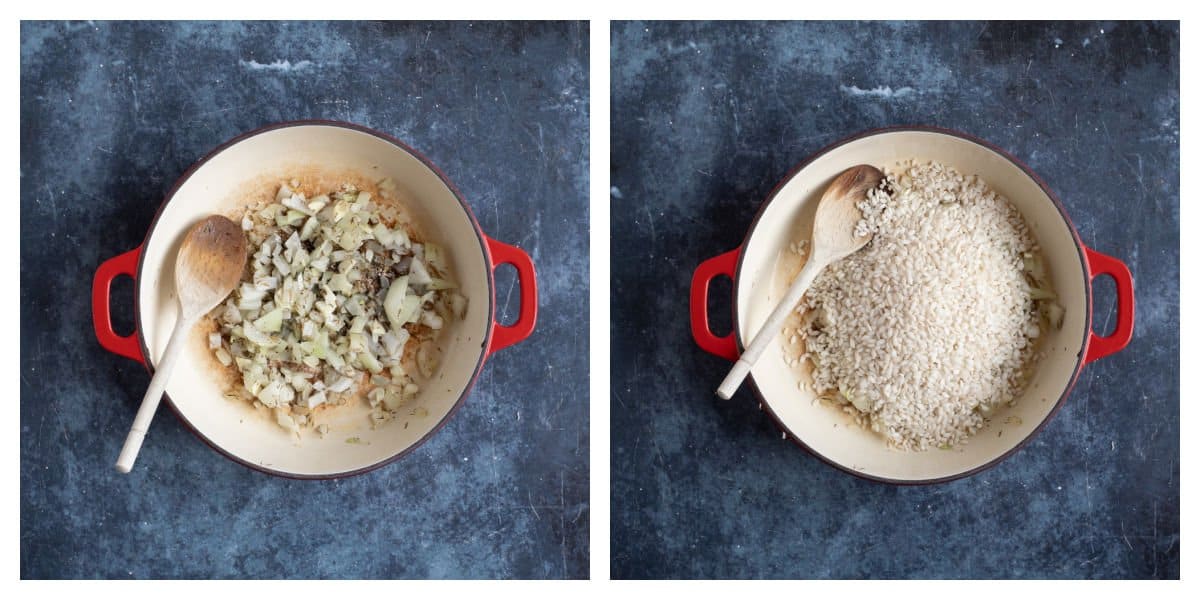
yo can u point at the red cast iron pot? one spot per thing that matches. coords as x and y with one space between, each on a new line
761 271
249 166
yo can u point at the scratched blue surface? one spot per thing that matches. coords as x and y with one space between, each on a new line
707 117
113 113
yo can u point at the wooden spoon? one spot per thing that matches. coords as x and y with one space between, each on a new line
208 267
832 240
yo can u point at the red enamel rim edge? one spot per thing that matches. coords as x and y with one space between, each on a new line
1079 248
480 238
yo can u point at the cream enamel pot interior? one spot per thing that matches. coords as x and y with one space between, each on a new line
218 184
760 273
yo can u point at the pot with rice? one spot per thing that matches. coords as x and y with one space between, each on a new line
949 340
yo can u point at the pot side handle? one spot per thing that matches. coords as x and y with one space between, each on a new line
123 264
724 264
504 336
1101 264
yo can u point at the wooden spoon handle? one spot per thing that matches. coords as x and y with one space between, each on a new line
158 384
770 329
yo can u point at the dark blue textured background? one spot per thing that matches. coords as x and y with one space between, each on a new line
113 113
707 117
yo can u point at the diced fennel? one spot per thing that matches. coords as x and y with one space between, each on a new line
427 359
297 203
418 275
433 256
410 309
276 393
270 322
255 335
431 319
458 305
332 293
393 399
1041 294
285 420
394 301
383 234
1054 314
369 362
341 385
248 291
340 284
310 227
1034 266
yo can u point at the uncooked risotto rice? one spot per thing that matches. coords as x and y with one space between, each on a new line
932 326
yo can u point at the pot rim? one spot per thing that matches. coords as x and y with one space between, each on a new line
1079 248
480 238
